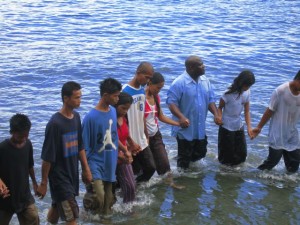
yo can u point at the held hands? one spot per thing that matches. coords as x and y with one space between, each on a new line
128 157
255 132
41 190
4 192
184 122
134 148
34 186
218 120
250 133
125 157
86 175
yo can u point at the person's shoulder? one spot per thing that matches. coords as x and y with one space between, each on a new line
283 87
28 141
126 87
113 113
28 144
54 118
181 80
4 143
246 93
76 114
90 114
113 109
182 77
133 91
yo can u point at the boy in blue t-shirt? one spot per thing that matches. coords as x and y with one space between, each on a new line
100 138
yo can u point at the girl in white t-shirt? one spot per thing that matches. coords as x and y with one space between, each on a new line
232 148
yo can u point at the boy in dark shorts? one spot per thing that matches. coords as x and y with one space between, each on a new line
61 151
16 163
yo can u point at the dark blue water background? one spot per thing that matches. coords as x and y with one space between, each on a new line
46 43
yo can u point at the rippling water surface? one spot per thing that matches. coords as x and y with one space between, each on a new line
46 43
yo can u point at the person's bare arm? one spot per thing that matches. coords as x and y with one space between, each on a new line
248 119
34 183
221 106
4 192
126 153
42 188
213 109
132 146
183 121
86 172
264 119
145 130
167 120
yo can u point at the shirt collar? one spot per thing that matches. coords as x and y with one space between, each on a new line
190 80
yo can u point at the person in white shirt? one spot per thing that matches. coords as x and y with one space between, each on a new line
284 112
143 163
232 147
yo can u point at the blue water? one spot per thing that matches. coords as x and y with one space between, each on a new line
46 43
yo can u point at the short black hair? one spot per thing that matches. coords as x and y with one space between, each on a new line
68 88
297 77
124 98
109 86
19 123
144 67
192 60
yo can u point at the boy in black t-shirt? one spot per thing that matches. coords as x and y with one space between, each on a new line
16 163
61 151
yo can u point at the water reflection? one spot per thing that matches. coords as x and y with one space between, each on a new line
230 196
167 205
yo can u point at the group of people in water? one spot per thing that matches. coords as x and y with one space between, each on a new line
119 144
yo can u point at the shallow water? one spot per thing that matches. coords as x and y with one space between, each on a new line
45 43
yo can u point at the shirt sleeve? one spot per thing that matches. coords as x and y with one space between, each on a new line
211 93
174 94
273 101
248 96
50 143
79 128
86 134
224 97
31 160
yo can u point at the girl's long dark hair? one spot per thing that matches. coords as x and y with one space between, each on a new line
124 98
156 79
245 78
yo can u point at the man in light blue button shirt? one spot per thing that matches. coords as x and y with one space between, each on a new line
189 98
